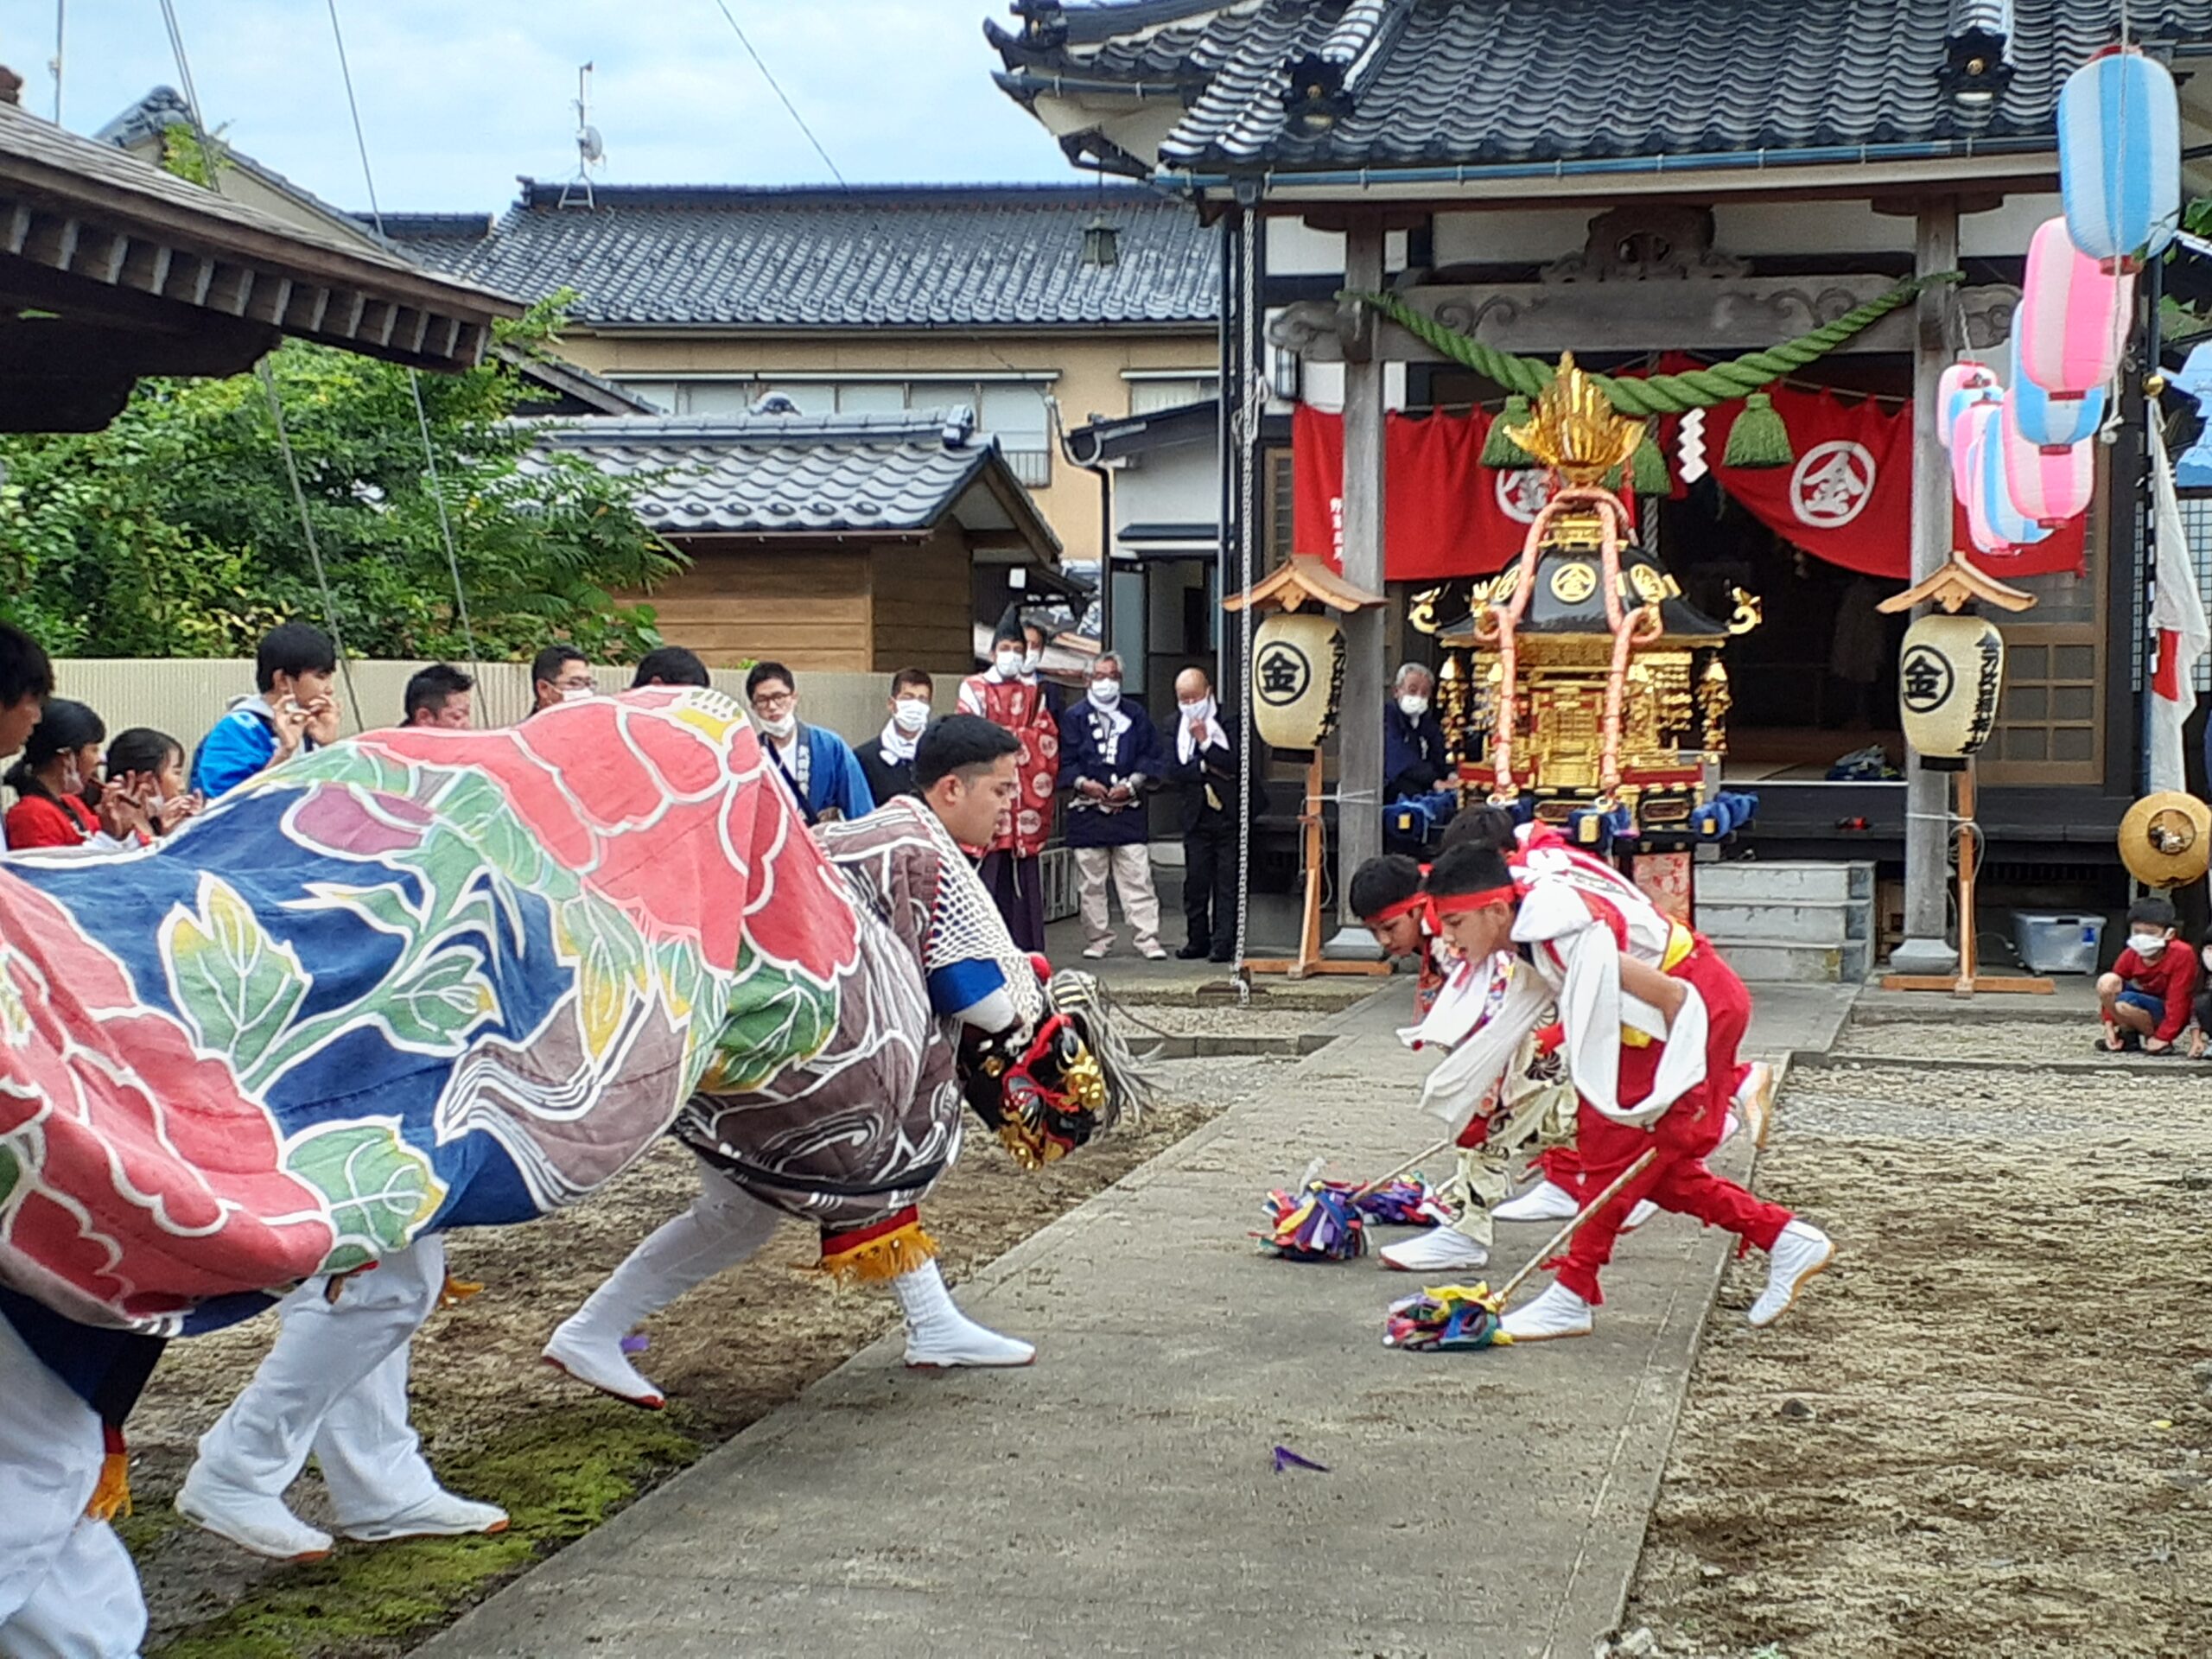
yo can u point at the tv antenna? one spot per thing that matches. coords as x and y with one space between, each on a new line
591 150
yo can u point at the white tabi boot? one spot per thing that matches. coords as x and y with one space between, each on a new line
1558 1312
1441 1250
1546 1201
1800 1251
249 1519
442 1514
939 1334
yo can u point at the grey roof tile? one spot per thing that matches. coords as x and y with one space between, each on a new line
912 256
760 473
1452 82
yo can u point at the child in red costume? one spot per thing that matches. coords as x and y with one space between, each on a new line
2146 997
1653 1019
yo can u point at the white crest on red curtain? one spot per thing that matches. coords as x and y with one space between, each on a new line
1833 484
1522 495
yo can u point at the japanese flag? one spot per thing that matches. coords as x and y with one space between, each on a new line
2178 617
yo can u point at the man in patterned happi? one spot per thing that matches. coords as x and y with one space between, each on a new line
1004 695
853 1140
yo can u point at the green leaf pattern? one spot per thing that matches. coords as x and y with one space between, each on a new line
237 986
380 1189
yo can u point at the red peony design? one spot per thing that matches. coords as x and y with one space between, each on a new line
174 1177
668 819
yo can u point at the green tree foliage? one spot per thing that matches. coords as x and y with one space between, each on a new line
175 532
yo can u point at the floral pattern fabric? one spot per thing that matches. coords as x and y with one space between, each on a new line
1018 705
416 980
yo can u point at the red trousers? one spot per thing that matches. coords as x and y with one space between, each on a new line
1684 1136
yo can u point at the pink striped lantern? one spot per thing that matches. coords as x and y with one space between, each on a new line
1973 420
2073 318
2003 521
1963 383
2047 485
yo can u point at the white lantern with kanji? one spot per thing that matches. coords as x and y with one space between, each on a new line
1950 675
1298 673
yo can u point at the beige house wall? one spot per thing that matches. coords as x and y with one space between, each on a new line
1086 370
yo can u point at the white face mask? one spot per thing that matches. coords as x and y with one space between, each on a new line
1105 693
1413 707
781 727
909 713
2146 946
576 694
1195 712
1032 661
1010 664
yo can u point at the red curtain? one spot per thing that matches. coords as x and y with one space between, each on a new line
1847 499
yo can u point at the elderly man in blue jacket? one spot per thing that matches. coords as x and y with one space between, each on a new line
1413 760
1110 756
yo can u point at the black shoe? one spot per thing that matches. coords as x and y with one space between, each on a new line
1222 955
1190 953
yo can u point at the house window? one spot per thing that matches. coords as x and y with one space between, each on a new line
871 397
1013 412
1148 394
1279 494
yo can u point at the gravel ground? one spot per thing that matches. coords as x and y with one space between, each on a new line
2006 1042
1987 1433
1230 1021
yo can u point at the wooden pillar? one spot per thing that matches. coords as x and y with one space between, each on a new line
1359 726
1926 948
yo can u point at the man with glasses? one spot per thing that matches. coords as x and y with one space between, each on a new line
824 774
559 674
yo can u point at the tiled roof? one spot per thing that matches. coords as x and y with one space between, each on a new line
1449 82
904 256
788 473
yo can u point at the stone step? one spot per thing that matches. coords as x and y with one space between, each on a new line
1786 924
1783 881
1769 962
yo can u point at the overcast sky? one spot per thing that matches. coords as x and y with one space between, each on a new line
460 96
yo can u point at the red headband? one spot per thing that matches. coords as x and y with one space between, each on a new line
1453 904
1403 907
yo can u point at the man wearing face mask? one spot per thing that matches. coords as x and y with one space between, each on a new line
558 674
1413 744
888 763
1032 663
1202 759
1109 757
1007 697
824 775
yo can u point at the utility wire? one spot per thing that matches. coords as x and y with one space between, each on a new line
776 87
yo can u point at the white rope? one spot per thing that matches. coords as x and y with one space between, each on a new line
414 376
60 34
268 376
1249 414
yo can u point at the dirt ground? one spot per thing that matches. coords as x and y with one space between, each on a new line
499 1425
1988 1432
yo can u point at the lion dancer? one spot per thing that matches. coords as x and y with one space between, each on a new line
1010 698
1652 1019
855 1139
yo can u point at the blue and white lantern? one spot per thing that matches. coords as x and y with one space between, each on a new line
2048 422
1994 522
2119 157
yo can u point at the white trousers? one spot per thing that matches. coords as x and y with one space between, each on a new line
335 1384
1131 869
67 1588
724 1226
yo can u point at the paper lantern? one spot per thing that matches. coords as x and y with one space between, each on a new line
1974 419
2049 486
2119 157
1950 674
1963 383
1298 671
2005 522
2051 423
2073 317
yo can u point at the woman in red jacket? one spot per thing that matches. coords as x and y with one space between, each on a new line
62 752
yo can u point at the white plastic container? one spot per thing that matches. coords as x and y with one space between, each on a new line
2057 944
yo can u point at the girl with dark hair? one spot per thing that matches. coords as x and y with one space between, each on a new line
156 760
62 752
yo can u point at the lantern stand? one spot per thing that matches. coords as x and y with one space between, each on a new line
1304 580
1954 586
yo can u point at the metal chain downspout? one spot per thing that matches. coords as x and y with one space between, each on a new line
1253 408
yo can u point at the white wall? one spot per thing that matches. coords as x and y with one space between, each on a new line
1181 486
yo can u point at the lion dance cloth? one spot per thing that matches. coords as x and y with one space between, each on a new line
417 980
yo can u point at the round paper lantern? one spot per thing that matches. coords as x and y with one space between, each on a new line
2006 521
1973 420
2165 839
2073 316
2049 486
1950 674
1298 669
2051 423
1963 383
2119 157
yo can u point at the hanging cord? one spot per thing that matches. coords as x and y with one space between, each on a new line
776 87
60 34
1252 411
414 376
268 376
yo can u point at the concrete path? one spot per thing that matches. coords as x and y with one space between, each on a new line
1119 1497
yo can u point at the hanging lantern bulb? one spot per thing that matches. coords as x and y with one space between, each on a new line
1963 382
2073 316
2120 158
2003 521
2048 422
2049 486
1972 421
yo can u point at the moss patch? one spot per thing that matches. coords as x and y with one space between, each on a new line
558 1475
